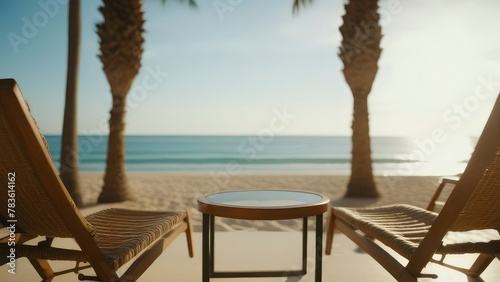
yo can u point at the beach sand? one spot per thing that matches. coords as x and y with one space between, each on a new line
156 191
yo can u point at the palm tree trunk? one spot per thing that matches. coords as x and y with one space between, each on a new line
115 187
361 182
69 168
360 51
121 42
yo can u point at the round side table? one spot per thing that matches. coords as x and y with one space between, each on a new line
262 205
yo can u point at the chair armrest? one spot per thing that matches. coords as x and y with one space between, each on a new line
434 200
450 180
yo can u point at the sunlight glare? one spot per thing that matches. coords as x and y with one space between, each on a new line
451 155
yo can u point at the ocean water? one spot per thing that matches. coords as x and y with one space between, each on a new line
268 154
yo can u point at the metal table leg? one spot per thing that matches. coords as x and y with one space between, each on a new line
209 253
304 245
212 246
319 247
206 255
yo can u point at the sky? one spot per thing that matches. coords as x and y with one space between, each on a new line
240 67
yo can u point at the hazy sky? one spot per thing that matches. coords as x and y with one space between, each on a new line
242 67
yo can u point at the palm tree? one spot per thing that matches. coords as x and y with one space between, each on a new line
121 43
360 51
69 169
121 40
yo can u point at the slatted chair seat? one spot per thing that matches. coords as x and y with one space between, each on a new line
123 234
401 227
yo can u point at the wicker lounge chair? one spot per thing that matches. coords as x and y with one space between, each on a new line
420 235
41 207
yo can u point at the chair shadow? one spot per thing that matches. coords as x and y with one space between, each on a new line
294 279
353 202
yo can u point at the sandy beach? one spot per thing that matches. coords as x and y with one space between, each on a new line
155 191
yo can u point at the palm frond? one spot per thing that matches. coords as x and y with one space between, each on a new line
298 3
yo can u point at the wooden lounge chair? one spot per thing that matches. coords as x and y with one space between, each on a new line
41 206
420 235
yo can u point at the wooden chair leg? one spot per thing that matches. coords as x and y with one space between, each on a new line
189 235
481 263
329 234
43 268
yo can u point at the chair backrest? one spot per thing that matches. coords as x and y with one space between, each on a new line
40 204
482 209
472 190
475 201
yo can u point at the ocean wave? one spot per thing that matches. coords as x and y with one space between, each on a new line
169 160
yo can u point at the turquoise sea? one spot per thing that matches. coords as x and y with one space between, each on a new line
267 154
